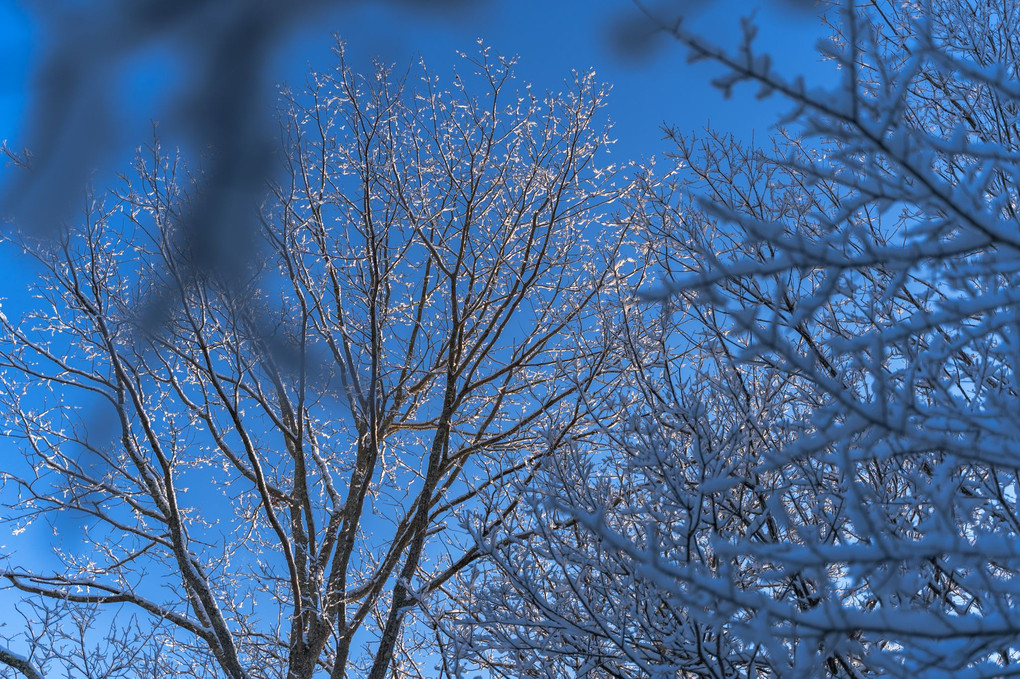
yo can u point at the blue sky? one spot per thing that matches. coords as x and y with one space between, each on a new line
550 37
553 37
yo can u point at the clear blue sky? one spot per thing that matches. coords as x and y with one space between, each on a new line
551 37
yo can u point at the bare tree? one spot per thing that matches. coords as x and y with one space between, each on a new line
275 476
674 468
867 265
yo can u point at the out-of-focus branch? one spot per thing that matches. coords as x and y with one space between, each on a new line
19 663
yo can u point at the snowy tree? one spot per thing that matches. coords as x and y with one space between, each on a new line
566 590
861 275
261 475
